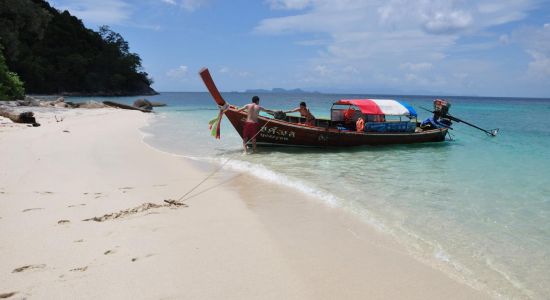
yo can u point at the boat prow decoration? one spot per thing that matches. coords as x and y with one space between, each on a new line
211 86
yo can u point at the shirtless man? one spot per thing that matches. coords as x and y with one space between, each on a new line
251 126
304 112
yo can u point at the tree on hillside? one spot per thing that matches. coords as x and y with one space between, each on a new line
11 87
54 52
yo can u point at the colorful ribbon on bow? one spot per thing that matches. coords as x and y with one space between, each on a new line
214 125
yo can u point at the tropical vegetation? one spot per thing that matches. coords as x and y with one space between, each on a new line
54 53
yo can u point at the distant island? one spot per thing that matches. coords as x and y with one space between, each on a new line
279 91
52 52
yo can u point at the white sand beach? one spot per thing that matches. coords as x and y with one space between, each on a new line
236 237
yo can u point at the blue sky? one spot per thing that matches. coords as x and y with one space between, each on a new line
486 48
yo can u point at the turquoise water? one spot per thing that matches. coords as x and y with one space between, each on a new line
477 207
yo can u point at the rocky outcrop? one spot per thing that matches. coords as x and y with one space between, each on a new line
143 104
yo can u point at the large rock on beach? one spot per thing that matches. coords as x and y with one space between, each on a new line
59 102
29 101
91 104
143 104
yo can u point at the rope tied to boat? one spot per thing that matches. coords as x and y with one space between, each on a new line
182 198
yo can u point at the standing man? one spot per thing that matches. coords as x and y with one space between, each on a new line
251 126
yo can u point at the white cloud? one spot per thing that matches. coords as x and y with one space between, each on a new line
536 42
189 5
540 65
351 70
389 39
317 42
322 70
451 16
243 74
447 22
416 67
504 39
178 73
230 72
289 4
97 11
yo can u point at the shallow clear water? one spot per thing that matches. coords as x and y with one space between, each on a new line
477 207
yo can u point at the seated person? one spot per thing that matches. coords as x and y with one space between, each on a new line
304 112
434 123
350 118
348 115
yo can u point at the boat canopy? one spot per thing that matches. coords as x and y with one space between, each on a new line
381 107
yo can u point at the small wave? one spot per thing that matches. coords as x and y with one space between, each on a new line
509 278
264 173
196 109
326 197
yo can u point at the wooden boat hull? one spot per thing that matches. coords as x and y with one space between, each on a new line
279 132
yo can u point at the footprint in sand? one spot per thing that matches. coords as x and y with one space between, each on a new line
159 185
31 209
81 269
75 205
146 256
125 189
63 221
44 192
96 195
28 267
78 241
109 252
7 295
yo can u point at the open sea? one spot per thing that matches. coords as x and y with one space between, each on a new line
476 207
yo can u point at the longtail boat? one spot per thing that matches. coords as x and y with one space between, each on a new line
384 122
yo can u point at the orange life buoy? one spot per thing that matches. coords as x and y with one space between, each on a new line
360 124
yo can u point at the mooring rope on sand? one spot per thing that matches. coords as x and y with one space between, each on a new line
220 167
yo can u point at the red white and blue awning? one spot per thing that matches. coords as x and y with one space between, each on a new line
381 107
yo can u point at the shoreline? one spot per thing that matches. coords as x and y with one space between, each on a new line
436 258
239 236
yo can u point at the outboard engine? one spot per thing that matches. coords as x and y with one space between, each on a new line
440 118
442 106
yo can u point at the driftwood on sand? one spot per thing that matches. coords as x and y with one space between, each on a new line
124 106
24 117
13 110
142 105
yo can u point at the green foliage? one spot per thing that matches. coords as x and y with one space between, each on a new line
53 52
11 87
